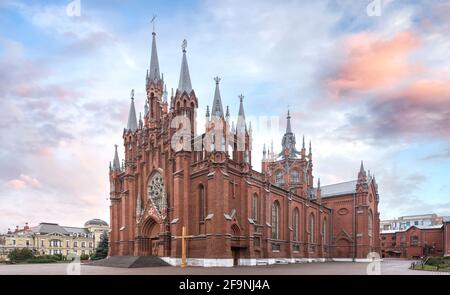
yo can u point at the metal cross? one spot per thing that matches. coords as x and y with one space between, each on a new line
132 93
153 22
184 45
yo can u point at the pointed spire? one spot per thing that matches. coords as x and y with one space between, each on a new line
207 112
146 107
140 120
303 144
132 121
288 126
217 110
116 162
153 73
165 94
318 184
361 169
264 152
185 79
227 114
310 147
241 124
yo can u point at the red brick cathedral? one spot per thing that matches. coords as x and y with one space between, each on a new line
171 178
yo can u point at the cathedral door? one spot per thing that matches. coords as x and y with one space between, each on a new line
235 253
343 248
150 240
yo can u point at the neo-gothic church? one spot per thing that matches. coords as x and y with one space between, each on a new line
171 177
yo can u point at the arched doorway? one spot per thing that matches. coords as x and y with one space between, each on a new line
343 248
149 245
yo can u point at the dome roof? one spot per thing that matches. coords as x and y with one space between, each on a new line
96 221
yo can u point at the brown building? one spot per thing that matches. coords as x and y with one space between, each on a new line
417 241
172 177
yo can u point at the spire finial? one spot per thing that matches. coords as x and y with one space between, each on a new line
303 146
318 183
153 73
184 45
185 79
310 147
241 98
217 109
132 121
153 23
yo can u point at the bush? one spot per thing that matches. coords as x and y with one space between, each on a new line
84 257
435 261
19 255
41 260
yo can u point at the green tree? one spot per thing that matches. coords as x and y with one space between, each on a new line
20 255
102 250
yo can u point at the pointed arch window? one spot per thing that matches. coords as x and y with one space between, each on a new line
279 177
202 202
296 224
255 206
275 220
295 176
311 229
370 226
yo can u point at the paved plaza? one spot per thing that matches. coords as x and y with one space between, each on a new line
388 267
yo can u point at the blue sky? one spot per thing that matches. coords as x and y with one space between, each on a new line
372 88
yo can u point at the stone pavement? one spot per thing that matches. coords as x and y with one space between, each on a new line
388 267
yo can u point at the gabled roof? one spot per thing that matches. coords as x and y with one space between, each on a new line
338 189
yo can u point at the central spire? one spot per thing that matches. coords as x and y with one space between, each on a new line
185 78
217 110
288 126
154 74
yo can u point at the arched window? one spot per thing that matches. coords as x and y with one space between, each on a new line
324 231
275 220
311 229
202 202
255 205
279 177
295 223
370 226
295 176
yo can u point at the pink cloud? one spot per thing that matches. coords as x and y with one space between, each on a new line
372 63
24 181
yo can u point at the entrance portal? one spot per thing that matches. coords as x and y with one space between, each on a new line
149 241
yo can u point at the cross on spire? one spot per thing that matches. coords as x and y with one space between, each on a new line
153 22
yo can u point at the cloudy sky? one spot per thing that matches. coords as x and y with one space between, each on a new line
362 86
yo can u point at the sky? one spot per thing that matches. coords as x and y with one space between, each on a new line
364 80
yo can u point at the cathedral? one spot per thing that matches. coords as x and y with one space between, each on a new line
172 178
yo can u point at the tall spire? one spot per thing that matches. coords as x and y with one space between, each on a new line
217 110
288 142
288 126
361 169
116 162
185 79
153 73
241 125
132 121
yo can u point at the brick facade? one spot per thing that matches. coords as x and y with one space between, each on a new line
415 242
232 213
